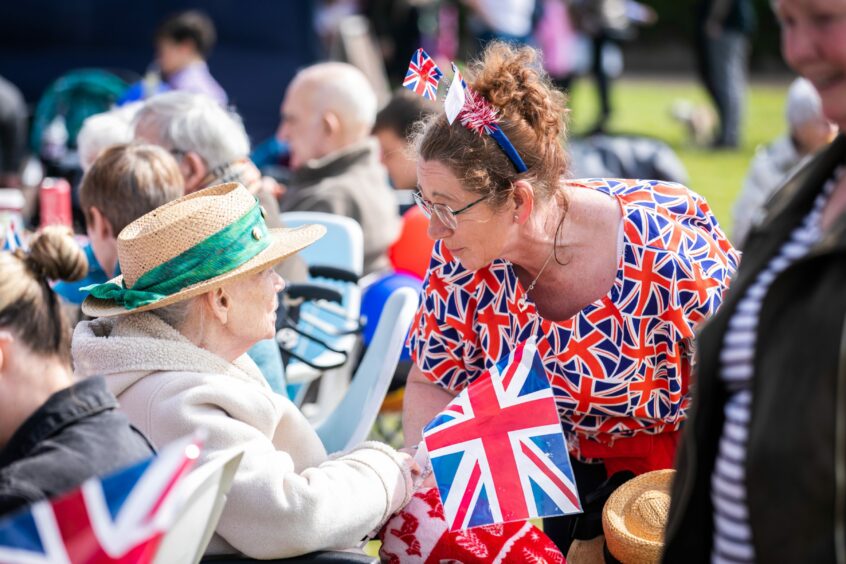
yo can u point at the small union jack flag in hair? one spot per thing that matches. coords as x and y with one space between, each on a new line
423 75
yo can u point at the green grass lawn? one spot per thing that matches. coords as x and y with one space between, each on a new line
643 107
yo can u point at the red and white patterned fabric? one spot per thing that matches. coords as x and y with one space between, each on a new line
620 367
419 534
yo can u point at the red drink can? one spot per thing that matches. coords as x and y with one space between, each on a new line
55 197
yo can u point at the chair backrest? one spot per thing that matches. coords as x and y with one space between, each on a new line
205 489
342 247
350 422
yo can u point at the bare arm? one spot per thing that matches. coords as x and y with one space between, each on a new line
422 401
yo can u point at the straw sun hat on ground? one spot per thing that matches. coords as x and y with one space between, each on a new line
190 246
635 515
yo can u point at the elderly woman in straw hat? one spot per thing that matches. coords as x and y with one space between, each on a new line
197 291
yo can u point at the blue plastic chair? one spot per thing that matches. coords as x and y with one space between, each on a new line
350 422
334 324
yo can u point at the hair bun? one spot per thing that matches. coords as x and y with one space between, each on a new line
54 254
513 80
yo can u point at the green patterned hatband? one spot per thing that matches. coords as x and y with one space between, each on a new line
218 254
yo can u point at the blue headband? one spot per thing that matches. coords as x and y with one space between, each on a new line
478 115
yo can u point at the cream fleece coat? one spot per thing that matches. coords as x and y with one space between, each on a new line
287 498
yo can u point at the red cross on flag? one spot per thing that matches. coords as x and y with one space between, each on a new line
423 75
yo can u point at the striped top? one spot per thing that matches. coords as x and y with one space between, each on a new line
732 533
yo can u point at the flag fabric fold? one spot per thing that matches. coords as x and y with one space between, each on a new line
456 95
11 237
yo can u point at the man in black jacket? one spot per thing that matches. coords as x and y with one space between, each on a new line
765 478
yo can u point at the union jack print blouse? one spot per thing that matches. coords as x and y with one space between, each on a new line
622 365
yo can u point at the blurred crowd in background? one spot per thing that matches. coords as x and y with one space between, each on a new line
88 60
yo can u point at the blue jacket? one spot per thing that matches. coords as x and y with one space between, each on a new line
70 291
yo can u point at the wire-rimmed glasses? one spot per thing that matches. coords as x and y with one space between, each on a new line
443 212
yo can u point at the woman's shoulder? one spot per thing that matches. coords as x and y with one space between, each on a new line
78 435
226 390
166 405
669 233
637 194
662 215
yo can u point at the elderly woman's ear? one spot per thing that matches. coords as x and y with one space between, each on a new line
194 171
523 197
219 302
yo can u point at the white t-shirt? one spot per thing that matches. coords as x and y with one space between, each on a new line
513 17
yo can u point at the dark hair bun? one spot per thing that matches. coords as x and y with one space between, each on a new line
55 255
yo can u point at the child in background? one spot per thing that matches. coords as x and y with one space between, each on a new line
183 44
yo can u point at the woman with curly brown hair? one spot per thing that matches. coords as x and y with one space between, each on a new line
610 277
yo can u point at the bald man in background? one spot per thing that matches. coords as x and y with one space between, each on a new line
327 115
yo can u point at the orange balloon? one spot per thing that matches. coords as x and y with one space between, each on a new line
413 250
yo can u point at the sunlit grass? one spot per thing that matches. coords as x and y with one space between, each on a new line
642 107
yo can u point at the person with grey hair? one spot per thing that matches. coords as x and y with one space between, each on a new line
204 136
327 115
172 351
212 147
101 131
809 130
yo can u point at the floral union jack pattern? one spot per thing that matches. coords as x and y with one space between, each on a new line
622 365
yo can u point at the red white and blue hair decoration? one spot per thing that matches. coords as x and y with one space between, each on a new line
423 75
480 116
473 111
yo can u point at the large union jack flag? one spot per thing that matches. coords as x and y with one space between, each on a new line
423 75
497 450
121 518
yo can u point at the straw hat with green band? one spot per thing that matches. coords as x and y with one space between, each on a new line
190 246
